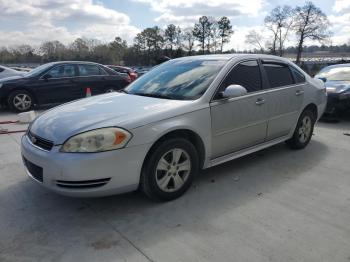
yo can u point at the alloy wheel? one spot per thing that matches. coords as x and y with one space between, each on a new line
304 131
173 170
22 102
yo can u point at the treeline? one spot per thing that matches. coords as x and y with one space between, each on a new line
208 35
149 46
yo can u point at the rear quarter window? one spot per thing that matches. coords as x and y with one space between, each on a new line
298 76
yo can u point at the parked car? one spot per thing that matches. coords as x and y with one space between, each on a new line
125 70
185 115
58 82
8 72
337 81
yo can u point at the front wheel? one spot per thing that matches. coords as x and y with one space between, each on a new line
303 131
20 100
170 169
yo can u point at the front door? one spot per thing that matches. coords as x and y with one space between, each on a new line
57 85
240 122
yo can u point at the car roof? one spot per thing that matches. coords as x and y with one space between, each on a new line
233 56
75 62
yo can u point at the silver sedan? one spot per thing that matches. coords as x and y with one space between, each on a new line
185 115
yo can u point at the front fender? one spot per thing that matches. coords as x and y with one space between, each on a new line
198 122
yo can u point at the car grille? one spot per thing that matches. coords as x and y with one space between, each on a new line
40 142
35 171
83 184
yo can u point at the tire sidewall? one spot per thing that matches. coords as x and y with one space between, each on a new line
149 171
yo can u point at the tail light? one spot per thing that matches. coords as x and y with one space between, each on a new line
133 75
128 79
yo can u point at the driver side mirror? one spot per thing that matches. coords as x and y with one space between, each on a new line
234 91
47 77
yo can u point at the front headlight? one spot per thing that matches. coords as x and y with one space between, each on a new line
98 140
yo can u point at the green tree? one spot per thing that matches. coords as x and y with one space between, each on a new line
201 31
225 31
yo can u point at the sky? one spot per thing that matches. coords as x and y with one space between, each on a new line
35 21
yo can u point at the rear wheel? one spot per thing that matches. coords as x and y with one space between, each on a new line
20 100
303 131
170 169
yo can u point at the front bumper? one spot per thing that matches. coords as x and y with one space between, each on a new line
84 174
339 101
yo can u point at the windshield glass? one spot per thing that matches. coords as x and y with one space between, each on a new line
335 73
38 70
183 79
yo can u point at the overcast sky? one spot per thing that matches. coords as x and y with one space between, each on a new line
35 21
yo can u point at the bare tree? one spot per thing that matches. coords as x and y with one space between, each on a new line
310 23
255 39
214 35
279 22
188 39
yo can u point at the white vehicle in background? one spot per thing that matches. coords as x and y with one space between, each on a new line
8 72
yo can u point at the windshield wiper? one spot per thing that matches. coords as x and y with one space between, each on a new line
154 95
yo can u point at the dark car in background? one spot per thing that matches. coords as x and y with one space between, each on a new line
125 70
59 82
337 82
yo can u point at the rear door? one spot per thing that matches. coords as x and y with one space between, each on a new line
57 85
285 95
97 79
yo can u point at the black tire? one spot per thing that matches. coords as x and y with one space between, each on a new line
12 101
301 136
149 183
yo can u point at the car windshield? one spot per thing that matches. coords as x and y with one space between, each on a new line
341 73
38 70
184 79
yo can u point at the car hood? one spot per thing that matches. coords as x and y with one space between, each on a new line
337 86
113 109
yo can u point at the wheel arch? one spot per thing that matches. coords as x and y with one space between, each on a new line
24 89
185 133
312 107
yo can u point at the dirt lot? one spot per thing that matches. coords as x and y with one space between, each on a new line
274 205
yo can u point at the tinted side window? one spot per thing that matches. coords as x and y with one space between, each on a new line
298 76
103 71
246 74
62 71
89 70
278 74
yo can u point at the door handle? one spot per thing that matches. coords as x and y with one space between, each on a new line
299 92
260 101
